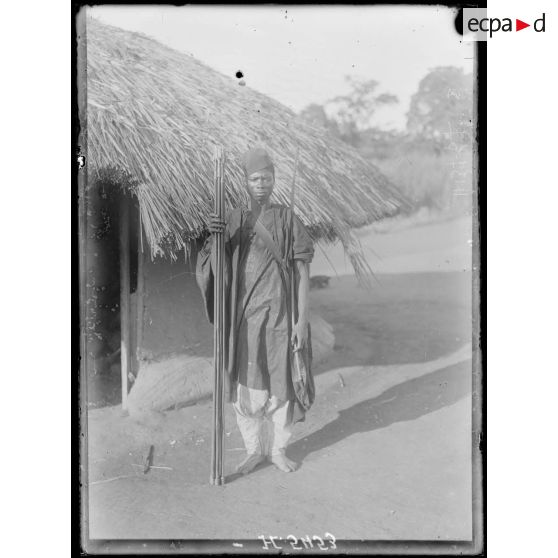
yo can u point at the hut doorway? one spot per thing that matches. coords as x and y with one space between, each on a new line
113 302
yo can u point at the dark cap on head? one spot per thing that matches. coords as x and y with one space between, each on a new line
257 159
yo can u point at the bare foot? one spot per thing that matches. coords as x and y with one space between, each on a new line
281 461
250 463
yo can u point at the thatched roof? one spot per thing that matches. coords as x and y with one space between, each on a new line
155 116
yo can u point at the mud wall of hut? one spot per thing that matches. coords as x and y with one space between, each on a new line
174 319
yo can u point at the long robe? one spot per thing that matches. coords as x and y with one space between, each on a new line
257 307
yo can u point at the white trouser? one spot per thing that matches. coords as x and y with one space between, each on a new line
263 421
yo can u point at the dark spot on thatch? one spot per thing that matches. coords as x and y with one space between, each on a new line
239 74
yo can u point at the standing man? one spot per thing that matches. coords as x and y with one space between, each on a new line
261 243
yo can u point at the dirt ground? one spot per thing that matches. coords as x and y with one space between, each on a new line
385 452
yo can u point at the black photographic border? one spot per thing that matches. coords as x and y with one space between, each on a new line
82 545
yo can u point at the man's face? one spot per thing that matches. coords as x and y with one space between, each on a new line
260 185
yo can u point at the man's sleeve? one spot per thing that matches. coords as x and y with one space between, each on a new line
303 246
206 264
204 277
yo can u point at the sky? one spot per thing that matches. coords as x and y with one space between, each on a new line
301 54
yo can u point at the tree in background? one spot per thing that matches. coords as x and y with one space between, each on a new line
377 144
441 110
435 165
316 115
351 113
431 160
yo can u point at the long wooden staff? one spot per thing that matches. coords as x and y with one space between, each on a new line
217 450
292 281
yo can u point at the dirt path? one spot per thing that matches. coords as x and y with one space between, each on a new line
438 246
385 456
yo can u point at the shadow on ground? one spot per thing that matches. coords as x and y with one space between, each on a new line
402 319
403 402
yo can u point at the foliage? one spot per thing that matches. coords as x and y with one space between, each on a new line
358 106
377 144
353 112
350 115
431 161
441 109
316 115
441 181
